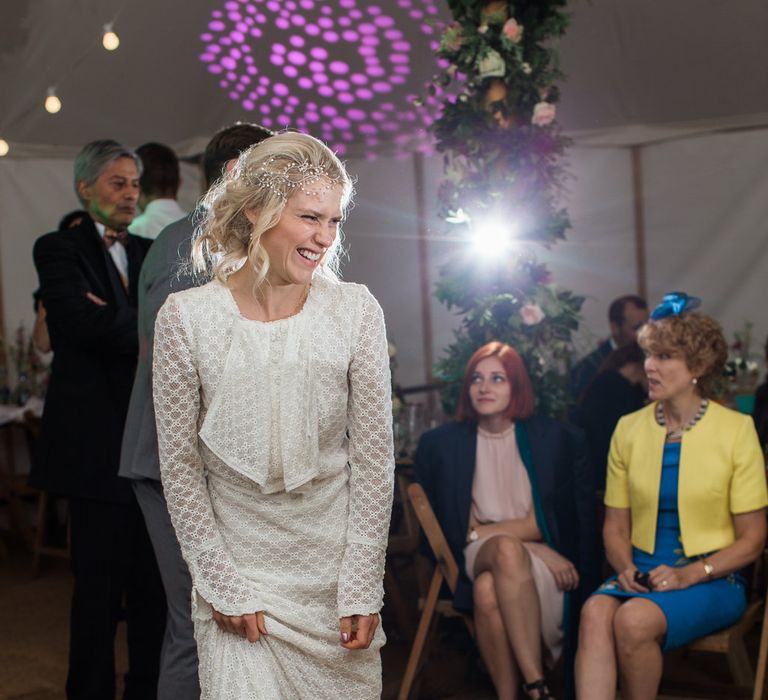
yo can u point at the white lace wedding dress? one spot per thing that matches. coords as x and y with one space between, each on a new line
277 463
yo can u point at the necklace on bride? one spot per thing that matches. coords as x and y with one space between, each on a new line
302 300
678 433
265 316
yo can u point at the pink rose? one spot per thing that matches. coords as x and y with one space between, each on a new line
512 30
453 37
543 114
531 314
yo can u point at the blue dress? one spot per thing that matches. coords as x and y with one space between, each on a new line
692 612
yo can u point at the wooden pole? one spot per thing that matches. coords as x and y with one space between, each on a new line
638 206
423 258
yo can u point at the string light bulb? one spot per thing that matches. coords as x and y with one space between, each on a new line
52 103
4 148
110 40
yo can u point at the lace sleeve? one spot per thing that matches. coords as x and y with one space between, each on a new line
371 459
176 390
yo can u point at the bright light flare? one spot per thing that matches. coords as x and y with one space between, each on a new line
493 236
52 103
4 148
110 41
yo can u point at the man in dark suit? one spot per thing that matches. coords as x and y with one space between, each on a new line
166 270
88 284
626 315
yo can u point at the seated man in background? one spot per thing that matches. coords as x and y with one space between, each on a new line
159 182
760 411
625 316
619 388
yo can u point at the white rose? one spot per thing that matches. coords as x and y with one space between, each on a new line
491 65
543 114
531 314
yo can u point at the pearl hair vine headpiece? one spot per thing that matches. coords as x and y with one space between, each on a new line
284 181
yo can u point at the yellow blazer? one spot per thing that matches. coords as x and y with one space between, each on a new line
722 472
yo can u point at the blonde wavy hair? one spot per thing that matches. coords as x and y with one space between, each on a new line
262 181
697 338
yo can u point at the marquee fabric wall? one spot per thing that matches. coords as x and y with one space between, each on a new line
706 211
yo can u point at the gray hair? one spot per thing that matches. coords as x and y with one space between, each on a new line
97 155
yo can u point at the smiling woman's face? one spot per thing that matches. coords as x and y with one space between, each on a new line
307 228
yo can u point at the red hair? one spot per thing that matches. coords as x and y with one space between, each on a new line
521 400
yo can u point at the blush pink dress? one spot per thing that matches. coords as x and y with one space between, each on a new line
501 490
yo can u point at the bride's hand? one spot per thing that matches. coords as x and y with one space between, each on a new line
250 626
356 631
566 576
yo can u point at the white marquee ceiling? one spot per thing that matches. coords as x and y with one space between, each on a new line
638 70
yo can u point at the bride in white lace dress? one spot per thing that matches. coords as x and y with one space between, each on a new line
272 395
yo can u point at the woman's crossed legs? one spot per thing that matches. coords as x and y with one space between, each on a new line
619 638
507 614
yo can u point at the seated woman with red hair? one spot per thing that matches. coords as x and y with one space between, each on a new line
513 495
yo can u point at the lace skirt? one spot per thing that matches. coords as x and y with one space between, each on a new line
290 546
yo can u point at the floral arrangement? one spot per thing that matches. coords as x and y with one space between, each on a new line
498 131
512 300
503 153
741 371
31 373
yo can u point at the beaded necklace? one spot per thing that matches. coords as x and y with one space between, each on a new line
677 434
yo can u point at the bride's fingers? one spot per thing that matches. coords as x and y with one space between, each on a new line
261 622
372 629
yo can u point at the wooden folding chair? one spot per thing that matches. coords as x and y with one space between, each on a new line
730 642
40 546
401 548
762 659
446 570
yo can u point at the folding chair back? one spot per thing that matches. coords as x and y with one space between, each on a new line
446 570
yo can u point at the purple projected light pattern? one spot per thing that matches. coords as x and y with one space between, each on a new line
340 72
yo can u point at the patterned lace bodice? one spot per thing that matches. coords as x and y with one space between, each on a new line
269 408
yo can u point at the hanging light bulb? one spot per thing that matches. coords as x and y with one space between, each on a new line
52 103
4 148
110 40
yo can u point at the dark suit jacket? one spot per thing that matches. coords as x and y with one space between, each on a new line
165 270
760 414
93 366
608 397
586 369
445 466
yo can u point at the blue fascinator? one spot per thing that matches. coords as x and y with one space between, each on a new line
673 304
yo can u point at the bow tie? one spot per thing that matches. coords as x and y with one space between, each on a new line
111 237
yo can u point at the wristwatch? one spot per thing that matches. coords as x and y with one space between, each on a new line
473 536
708 569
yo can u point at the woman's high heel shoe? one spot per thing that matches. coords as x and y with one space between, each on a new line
541 686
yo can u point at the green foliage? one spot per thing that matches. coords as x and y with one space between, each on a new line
497 159
513 300
503 154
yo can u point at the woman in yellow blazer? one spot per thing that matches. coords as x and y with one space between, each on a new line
685 511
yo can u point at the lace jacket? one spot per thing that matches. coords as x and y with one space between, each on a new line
274 407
